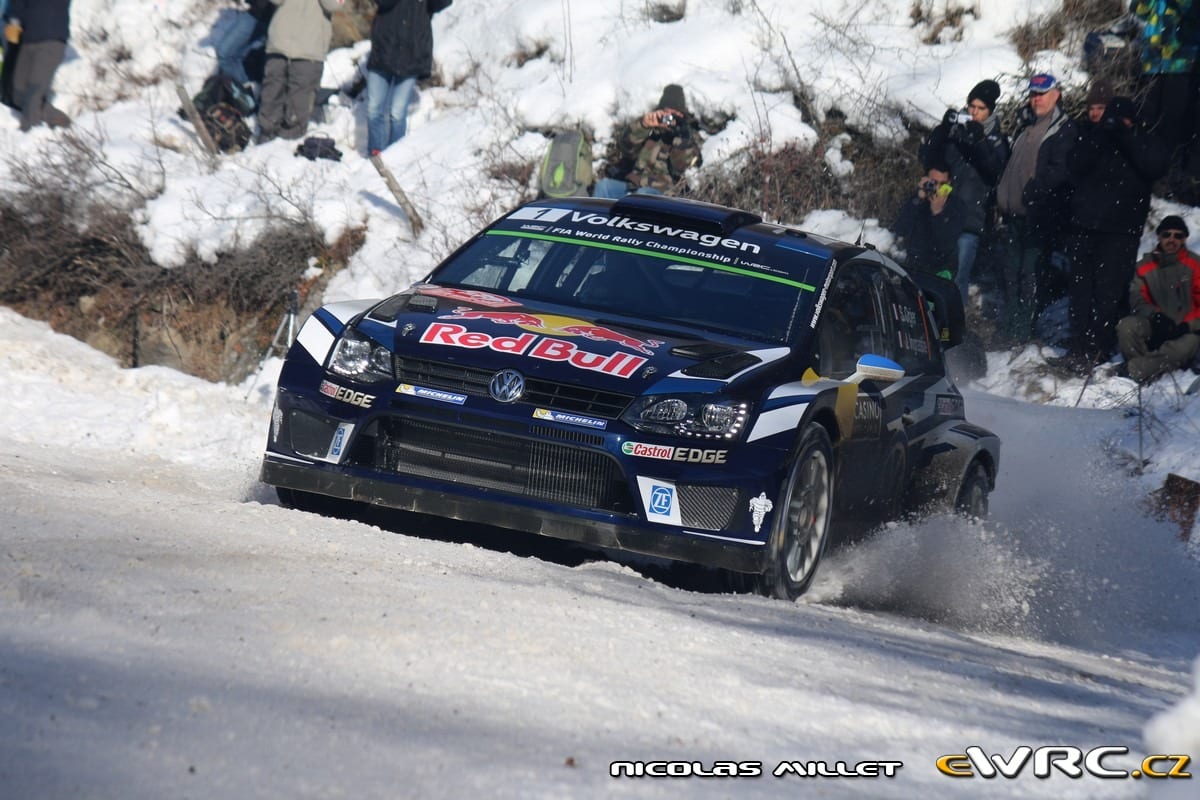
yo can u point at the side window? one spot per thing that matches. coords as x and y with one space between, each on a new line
912 331
854 321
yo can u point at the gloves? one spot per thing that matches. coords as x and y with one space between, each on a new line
1163 329
974 132
950 118
13 31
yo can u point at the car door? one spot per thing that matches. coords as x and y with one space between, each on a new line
854 322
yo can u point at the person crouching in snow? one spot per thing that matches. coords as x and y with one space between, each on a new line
1163 332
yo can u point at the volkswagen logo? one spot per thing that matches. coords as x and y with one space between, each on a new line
507 386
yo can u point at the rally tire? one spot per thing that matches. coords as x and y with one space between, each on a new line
972 500
800 529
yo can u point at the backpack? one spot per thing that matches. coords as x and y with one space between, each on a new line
223 104
567 167
219 88
225 125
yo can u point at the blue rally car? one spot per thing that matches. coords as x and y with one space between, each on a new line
654 375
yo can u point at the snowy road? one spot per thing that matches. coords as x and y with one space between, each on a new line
166 630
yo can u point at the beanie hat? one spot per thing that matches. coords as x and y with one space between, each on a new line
987 92
1100 92
672 97
1172 223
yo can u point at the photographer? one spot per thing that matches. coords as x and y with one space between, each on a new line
974 147
930 223
650 155
1113 167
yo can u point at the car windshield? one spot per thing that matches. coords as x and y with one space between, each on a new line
652 278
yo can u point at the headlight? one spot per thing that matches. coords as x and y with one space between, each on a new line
361 359
697 416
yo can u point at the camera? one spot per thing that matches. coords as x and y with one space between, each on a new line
669 120
962 118
929 186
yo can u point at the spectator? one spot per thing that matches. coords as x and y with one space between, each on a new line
1099 94
974 147
9 62
1032 200
651 154
1170 41
401 53
297 41
42 28
1112 166
1163 332
930 225
249 28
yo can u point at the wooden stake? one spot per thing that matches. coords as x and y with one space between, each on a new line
189 108
410 211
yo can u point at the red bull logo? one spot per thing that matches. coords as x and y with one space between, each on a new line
558 326
619 364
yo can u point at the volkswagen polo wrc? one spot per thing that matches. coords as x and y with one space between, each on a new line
653 375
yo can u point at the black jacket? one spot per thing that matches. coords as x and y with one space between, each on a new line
402 37
931 241
1113 169
42 20
976 155
1047 195
261 10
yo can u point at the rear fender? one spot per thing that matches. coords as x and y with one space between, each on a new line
946 455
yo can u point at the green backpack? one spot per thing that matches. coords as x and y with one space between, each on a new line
567 167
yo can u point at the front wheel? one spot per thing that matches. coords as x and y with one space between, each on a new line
801 524
972 498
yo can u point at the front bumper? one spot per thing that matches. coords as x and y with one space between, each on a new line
658 541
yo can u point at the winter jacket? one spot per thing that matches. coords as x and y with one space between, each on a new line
650 157
1170 35
42 20
1112 170
931 240
1044 199
301 30
261 10
402 38
976 155
1168 284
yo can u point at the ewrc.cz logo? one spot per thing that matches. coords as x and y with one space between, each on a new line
752 769
1070 761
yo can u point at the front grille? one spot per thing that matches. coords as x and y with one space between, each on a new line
552 471
544 394
708 507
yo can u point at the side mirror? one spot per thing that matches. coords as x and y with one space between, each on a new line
876 368
945 305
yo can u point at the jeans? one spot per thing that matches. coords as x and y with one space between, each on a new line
239 39
968 246
388 100
613 189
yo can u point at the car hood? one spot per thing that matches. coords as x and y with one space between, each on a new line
474 329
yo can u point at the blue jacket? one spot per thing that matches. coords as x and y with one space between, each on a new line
42 20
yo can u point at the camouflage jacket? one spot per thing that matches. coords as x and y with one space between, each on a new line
644 156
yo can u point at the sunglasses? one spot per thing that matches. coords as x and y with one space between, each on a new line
1172 235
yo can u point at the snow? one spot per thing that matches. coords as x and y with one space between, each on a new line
167 629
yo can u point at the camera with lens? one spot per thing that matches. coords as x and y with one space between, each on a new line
669 120
929 186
